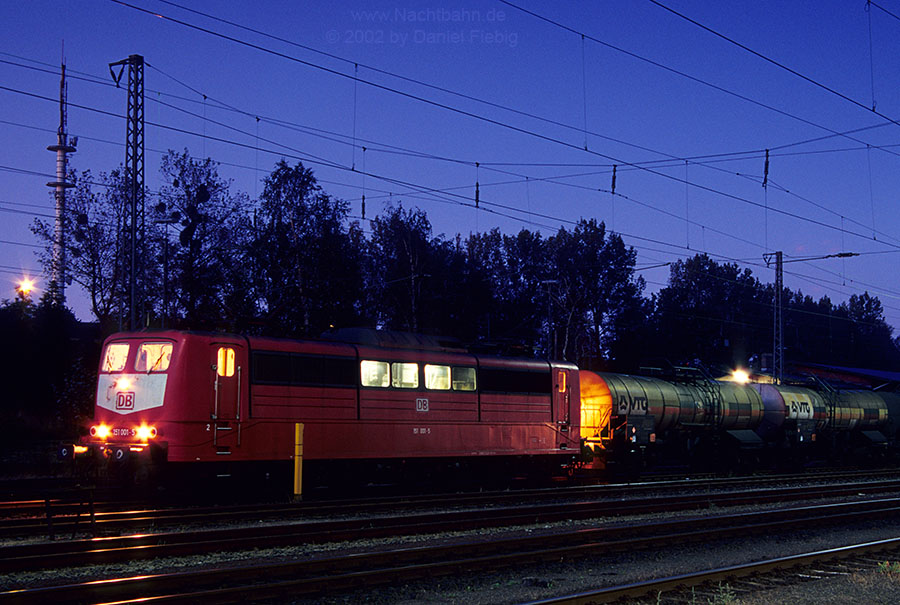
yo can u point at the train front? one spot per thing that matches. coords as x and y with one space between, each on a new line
126 433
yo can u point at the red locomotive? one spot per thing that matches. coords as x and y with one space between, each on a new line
195 399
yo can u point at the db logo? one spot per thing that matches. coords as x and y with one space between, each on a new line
421 405
124 401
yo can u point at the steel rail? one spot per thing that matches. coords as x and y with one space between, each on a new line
681 581
181 543
238 583
35 500
23 516
106 522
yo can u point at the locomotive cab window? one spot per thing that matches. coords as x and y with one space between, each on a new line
463 379
225 362
405 375
153 357
114 359
374 373
437 378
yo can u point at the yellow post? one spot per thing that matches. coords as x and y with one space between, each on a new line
298 461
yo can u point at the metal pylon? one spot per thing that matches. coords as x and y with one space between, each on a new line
778 327
133 222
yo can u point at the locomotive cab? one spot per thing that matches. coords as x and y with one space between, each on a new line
133 379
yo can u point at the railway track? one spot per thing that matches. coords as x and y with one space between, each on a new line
374 568
72 513
183 542
676 586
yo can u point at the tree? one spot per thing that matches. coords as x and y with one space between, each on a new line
402 262
93 245
209 245
595 291
306 265
871 345
48 368
712 312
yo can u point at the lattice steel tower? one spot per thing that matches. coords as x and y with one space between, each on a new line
778 327
133 220
62 148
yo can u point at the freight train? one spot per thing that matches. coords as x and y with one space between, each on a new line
364 400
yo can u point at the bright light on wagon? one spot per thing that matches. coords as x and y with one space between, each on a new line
740 376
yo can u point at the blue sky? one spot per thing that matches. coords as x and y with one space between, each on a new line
431 89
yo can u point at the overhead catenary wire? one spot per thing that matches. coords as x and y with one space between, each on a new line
686 182
776 63
513 110
634 165
310 158
673 70
332 164
442 105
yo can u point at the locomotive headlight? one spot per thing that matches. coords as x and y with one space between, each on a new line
100 431
123 384
145 432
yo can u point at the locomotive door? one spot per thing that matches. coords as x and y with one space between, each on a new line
562 397
227 376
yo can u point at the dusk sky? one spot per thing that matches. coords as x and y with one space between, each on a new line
537 101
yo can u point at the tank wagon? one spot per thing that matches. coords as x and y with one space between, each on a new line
718 424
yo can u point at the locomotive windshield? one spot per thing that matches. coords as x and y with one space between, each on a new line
153 357
114 360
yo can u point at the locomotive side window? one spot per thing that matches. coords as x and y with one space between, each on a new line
497 380
323 371
463 379
437 378
114 360
405 375
271 368
282 368
225 362
153 357
374 373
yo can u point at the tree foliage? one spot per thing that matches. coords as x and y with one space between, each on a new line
293 263
305 262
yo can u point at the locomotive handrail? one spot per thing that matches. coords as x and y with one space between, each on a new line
239 369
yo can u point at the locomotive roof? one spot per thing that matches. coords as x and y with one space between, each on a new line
393 339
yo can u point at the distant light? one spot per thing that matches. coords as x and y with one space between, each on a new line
740 376
25 286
